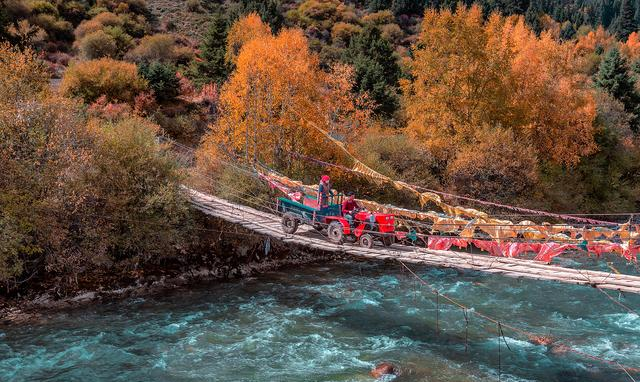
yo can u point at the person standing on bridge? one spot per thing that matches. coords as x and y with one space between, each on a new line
324 191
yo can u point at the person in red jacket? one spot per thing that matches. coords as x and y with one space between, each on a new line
324 191
350 207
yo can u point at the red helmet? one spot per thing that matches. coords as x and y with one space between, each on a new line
325 178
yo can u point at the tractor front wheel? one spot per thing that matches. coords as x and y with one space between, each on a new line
335 232
366 241
289 223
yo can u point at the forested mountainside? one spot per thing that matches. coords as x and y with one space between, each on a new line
532 103
612 14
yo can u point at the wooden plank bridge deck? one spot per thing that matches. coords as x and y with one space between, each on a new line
269 225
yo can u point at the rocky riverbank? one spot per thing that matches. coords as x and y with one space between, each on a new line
226 252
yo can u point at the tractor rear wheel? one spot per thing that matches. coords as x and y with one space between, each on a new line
366 241
289 223
335 232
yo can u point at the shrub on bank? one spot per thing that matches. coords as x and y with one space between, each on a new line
157 47
399 157
104 19
137 202
42 150
123 41
117 80
78 196
497 164
96 45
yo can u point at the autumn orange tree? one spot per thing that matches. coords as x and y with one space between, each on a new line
470 73
277 97
552 100
243 31
458 79
631 47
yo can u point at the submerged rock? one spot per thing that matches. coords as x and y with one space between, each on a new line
384 368
88 296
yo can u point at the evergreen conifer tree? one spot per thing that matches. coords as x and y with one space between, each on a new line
377 71
4 23
607 13
626 23
509 7
567 32
613 77
532 16
162 79
378 5
269 11
213 67
635 67
405 7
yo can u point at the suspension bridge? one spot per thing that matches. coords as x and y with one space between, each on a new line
267 221
269 225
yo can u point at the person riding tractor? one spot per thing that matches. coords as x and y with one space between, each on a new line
350 207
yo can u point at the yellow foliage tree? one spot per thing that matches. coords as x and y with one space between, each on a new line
471 73
244 30
595 39
346 114
276 94
589 47
459 82
553 106
631 48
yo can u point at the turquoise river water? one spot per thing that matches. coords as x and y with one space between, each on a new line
331 323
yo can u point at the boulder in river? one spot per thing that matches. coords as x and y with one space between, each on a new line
382 369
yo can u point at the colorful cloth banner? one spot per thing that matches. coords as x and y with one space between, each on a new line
560 238
438 243
550 250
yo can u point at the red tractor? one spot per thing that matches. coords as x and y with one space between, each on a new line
366 228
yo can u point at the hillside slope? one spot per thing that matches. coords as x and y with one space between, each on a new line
176 16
